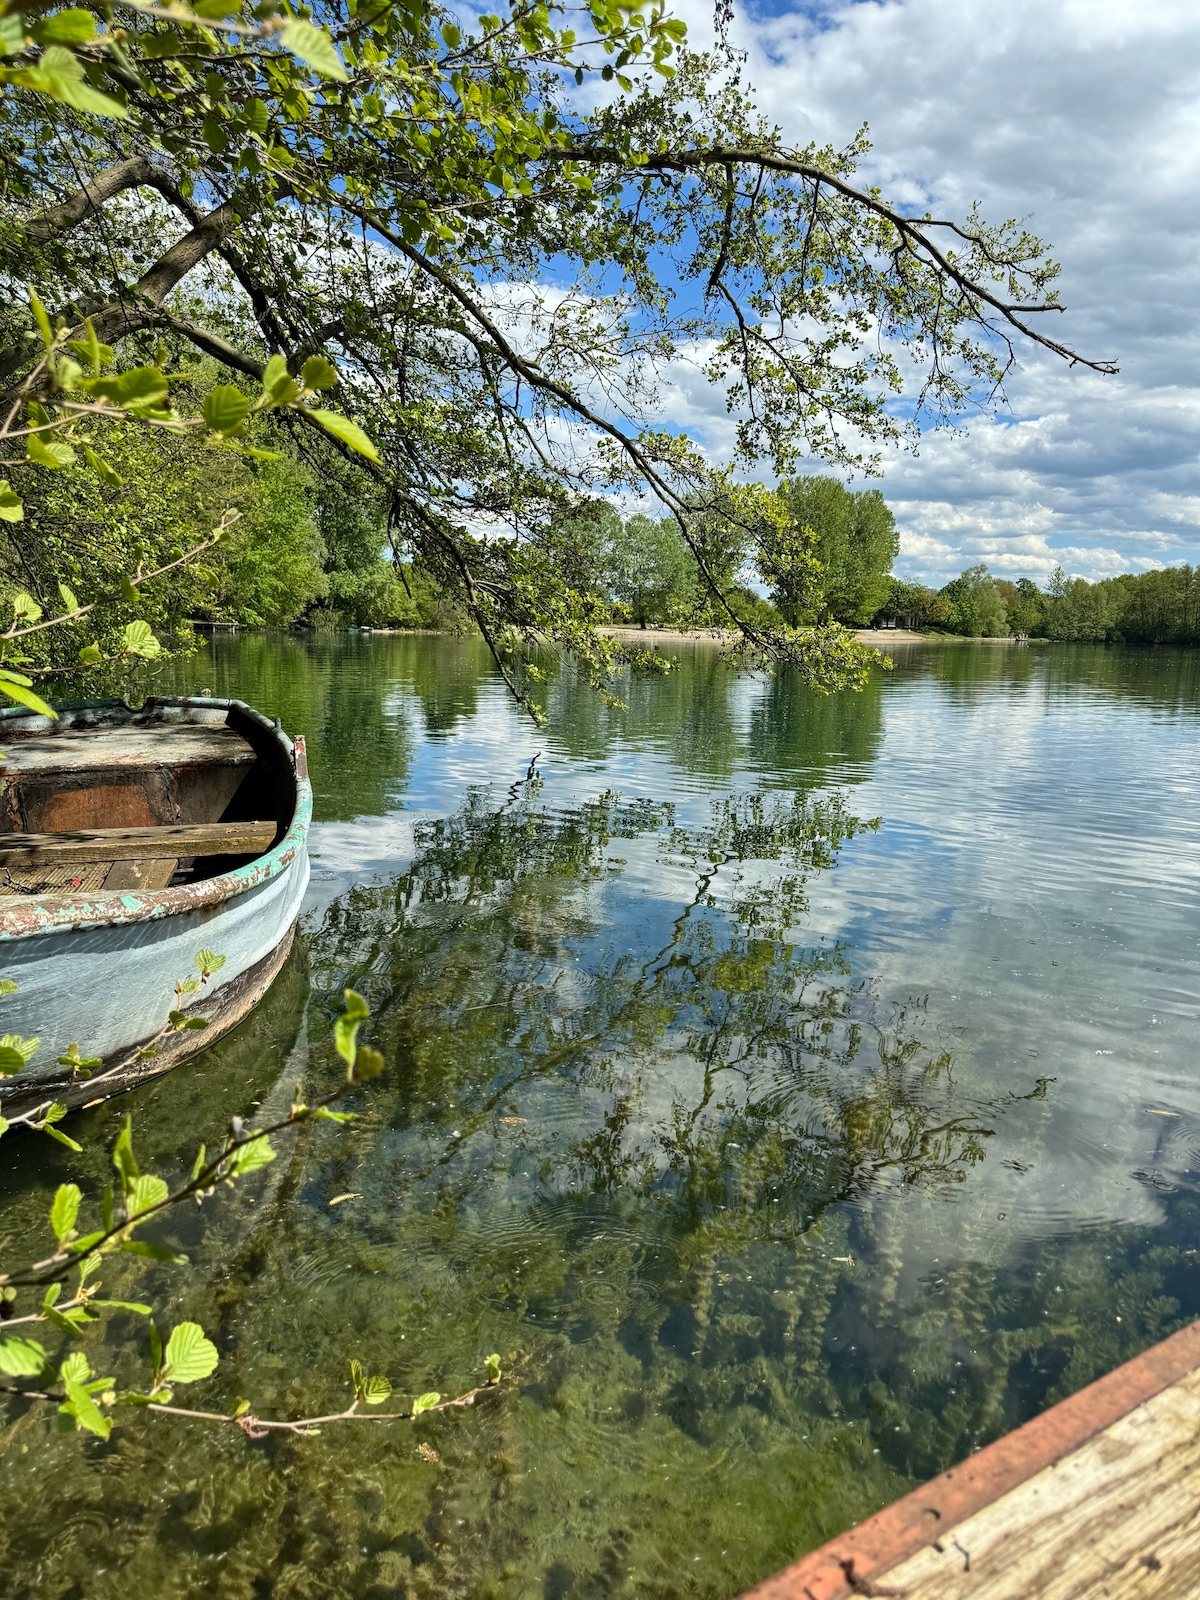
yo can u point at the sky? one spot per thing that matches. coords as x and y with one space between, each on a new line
1081 117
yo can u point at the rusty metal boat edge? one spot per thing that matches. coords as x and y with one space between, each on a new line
856 1562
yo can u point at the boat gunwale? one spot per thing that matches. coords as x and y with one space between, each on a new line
43 915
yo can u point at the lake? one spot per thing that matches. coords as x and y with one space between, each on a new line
796 1092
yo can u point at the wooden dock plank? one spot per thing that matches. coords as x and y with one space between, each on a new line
1128 1445
1118 1517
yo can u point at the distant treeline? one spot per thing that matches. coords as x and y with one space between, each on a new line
1161 607
643 571
309 549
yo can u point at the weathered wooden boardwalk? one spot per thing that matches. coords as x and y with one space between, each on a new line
1096 1499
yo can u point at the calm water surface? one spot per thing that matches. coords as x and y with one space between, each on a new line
796 1092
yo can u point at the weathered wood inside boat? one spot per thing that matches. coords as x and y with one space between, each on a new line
1098 1496
122 844
129 841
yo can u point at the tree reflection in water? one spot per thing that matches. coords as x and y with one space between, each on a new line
667 1156
629 1103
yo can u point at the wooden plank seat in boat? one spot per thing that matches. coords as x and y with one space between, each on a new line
84 779
119 858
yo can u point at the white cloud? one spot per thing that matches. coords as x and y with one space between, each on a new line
1083 118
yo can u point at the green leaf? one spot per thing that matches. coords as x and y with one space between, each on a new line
160 45
123 1158
53 453
317 373
65 27
87 1414
348 432
129 591
152 1252
7 986
25 609
101 468
180 1020
356 1377
61 1138
214 134
91 655
12 35
72 90
155 1348
139 640
75 1369
190 1356
59 74
198 1164
25 1048
225 408
324 1114
275 369
147 1191
10 1060
284 390
345 1029
141 386
81 1066
209 962
368 1064
493 1368
376 1390
12 508
26 697
249 1157
425 1402
314 47
256 116
21 1358
65 1210
96 355
123 1305
3 1126
68 1322
67 596
66 373
42 320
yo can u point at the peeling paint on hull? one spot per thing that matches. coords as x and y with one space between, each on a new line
99 969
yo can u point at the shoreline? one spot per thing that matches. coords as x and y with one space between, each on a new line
873 636
877 637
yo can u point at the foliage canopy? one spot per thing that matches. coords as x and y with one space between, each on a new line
494 277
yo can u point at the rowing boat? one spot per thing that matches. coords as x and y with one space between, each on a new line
130 842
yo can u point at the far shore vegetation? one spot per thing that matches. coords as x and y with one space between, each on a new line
309 548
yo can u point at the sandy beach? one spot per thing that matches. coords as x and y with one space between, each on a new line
879 637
